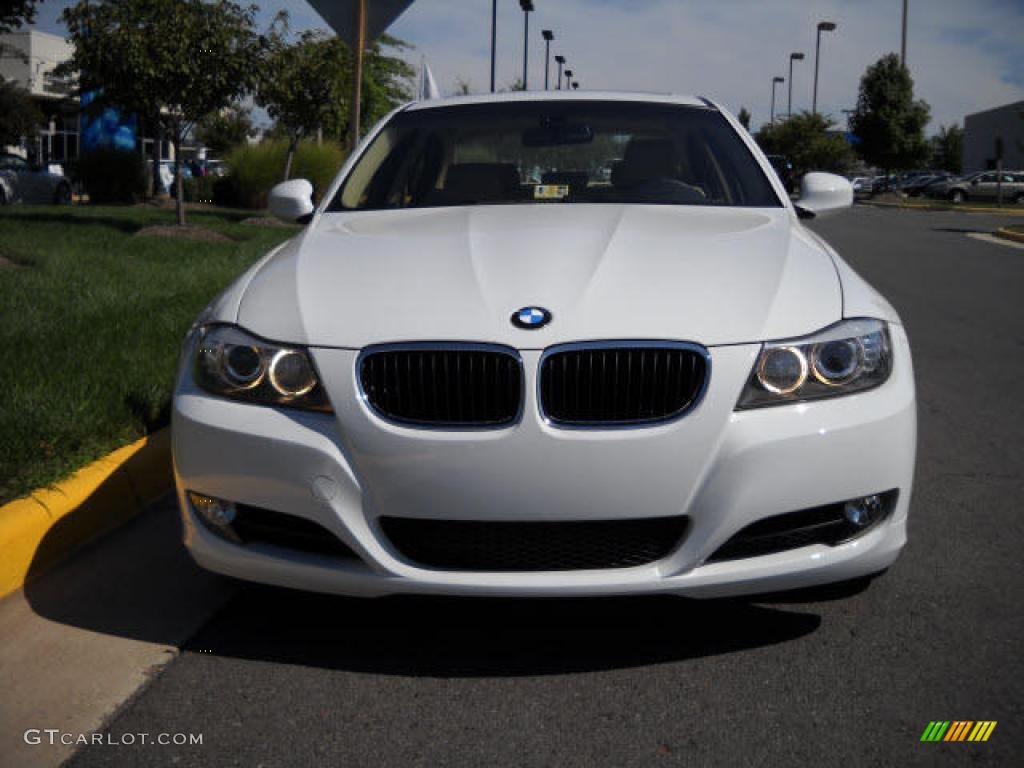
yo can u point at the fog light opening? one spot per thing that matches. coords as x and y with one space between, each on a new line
864 511
216 515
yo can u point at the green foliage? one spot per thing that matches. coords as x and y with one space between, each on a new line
948 148
181 59
809 141
225 129
19 116
888 121
14 13
254 169
93 321
112 175
305 85
744 117
199 189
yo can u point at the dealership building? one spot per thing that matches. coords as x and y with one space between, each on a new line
983 131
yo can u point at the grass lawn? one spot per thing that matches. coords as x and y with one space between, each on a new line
91 324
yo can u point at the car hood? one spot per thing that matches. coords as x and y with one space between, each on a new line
707 275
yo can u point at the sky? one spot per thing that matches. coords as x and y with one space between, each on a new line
964 55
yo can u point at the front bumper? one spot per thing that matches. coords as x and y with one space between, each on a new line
721 468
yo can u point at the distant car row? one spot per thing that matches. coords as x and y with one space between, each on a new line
942 185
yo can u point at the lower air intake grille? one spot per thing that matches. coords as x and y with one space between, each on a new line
534 546
463 386
608 384
255 525
820 525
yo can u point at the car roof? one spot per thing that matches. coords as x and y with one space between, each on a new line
561 95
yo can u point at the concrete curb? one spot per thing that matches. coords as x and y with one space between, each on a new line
955 209
40 530
1009 234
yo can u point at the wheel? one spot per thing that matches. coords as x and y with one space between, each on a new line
3 196
958 196
63 194
1019 199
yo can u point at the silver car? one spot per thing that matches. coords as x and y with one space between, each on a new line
22 182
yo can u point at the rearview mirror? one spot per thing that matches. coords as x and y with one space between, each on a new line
823 193
555 134
292 201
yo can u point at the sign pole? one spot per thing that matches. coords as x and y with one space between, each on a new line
357 73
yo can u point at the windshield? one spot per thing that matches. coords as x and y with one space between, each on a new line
545 152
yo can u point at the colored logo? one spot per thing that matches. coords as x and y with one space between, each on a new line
531 318
958 730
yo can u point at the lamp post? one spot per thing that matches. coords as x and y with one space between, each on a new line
568 79
789 105
823 26
775 81
903 37
560 60
494 37
548 36
527 6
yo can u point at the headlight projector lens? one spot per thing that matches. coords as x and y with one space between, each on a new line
243 365
782 370
291 373
837 362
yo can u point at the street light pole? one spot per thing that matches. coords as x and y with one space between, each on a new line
357 75
568 79
775 81
560 60
548 36
823 26
494 37
789 105
527 6
903 42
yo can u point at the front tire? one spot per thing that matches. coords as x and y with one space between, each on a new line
1019 199
958 197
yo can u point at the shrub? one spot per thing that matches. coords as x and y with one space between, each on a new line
254 169
199 189
112 175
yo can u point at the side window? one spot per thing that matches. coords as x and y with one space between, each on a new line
987 178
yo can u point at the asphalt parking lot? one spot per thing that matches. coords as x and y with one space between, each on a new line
279 678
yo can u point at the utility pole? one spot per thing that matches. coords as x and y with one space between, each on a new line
357 74
494 37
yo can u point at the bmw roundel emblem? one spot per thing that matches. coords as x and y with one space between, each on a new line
531 318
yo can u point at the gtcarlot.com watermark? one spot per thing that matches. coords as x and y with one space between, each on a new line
55 736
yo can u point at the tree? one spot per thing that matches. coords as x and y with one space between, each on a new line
19 115
305 85
172 61
888 121
948 148
220 131
302 86
810 141
14 13
744 117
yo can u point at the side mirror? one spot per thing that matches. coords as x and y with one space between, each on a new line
292 201
822 193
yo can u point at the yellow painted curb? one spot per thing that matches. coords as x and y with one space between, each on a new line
38 531
1009 234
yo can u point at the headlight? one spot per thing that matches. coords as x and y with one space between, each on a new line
850 356
232 363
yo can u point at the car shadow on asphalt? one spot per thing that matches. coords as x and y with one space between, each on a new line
482 637
140 583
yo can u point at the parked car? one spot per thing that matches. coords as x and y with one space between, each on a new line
917 186
23 182
862 185
983 187
881 184
453 381
784 169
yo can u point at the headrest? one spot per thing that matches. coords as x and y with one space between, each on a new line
645 160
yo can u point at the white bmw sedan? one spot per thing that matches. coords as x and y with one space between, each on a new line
549 344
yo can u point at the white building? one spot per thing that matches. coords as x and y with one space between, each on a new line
28 57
